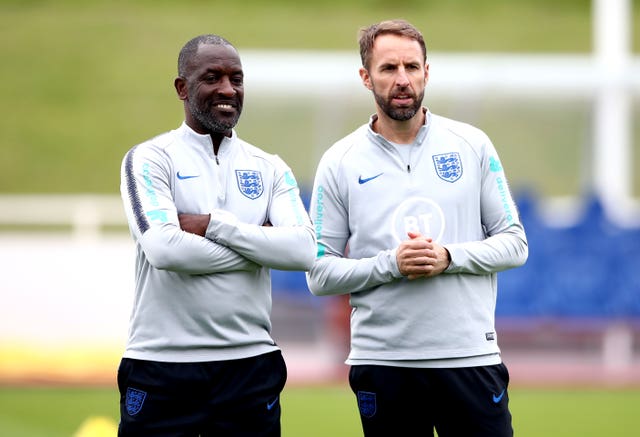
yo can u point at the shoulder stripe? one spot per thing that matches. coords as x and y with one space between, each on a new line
134 196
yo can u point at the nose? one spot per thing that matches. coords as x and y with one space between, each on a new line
226 88
402 78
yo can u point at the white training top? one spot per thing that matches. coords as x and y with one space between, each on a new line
451 187
208 299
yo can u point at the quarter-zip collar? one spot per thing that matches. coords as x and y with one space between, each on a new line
189 136
406 162
225 146
382 141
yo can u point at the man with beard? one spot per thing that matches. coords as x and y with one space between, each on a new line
414 218
210 216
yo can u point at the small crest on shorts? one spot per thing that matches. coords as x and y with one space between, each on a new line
250 183
135 399
367 403
448 166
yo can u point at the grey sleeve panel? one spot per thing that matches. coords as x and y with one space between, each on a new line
331 275
499 252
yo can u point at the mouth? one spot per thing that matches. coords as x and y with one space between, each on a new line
225 107
402 99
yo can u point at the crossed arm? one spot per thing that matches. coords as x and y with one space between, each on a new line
194 223
197 223
284 247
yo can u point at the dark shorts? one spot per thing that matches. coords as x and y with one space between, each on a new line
401 401
229 398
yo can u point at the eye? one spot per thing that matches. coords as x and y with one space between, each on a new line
210 78
237 80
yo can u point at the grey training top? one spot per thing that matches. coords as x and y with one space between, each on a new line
450 185
209 299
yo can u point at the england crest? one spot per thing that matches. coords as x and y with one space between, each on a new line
448 166
250 183
135 399
367 403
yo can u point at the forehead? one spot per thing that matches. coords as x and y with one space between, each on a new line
395 49
217 57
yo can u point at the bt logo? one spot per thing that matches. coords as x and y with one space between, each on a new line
418 214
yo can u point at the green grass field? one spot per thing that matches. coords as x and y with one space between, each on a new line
83 81
331 411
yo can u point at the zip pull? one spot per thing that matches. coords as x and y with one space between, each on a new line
217 162
408 168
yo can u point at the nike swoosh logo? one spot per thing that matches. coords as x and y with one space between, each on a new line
186 176
271 404
365 180
498 398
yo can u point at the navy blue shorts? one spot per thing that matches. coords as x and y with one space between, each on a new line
471 401
229 398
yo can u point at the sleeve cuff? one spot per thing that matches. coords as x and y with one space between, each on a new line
221 226
393 261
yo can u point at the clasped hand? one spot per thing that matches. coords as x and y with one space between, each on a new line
420 257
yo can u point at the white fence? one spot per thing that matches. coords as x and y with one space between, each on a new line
60 289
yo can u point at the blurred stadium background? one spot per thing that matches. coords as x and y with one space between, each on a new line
555 84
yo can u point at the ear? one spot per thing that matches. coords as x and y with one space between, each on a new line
180 84
426 73
366 79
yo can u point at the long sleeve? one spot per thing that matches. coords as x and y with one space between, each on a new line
506 245
499 252
153 220
333 273
288 244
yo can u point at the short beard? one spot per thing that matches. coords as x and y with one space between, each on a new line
399 114
201 111
210 123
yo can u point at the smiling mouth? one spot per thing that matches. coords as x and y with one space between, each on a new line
224 107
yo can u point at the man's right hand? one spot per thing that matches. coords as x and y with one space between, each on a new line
420 257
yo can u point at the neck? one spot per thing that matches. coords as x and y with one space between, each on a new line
216 137
400 132
216 140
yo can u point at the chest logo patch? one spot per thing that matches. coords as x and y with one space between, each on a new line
250 183
448 166
419 215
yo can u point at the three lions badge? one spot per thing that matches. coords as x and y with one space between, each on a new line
448 166
134 400
367 403
250 183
